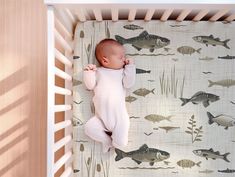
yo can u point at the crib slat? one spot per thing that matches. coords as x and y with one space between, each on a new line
218 15
62 91
98 15
62 41
62 125
62 142
71 16
132 14
62 74
63 58
68 172
80 14
149 14
166 14
200 15
60 26
62 108
183 15
114 13
230 18
62 161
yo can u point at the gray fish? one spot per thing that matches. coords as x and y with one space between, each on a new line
227 57
201 97
132 27
142 71
210 40
130 99
210 153
143 154
168 128
206 58
224 83
227 171
144 40
206 171
223 120
143 92
157 118
207 72
186 163
76 57
187 50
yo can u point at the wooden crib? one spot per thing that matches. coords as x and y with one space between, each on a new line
62 17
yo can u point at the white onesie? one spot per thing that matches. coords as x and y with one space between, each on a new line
109 87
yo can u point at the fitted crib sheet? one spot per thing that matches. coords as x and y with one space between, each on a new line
182 107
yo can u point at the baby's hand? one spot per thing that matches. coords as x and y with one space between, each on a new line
129 61
90 67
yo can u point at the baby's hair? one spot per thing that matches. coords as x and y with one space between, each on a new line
104 43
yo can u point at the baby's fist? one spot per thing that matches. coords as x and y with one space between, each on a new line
90 67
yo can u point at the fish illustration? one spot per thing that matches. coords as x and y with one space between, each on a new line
143 154
232 102
207 72
224 83
130 99
177 25
187 50
76 121
222 119
186 163
168 128
132 27
157 118
76 82
201 97
144 40
227 57
210 40
134 117
142 71
227 171
143 92
210 153
206 171
206 58
75 57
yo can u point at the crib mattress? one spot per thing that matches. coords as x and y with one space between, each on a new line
182 107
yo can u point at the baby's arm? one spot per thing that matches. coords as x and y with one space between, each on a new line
129 74
89 76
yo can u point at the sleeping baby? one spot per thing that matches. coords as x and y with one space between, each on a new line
110 124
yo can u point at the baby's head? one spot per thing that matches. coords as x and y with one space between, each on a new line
110 54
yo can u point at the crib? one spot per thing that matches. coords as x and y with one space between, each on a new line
63 15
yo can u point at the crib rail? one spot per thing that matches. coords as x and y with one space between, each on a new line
59 35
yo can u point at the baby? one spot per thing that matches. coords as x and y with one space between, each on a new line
110 124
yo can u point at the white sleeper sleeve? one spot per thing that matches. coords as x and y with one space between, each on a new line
89 78
129 76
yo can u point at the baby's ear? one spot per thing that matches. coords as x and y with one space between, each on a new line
105 60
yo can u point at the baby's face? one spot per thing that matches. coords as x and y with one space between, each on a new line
116 57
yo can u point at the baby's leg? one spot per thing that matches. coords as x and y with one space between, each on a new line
95 129
120 134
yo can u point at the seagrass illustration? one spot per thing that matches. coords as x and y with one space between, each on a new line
196 133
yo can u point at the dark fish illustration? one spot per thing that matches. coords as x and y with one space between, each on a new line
76 170
148 134
76 121
177 25
227 171
187 50
232 102
210 40
227 57
144 40
151 80
222 119
143 154
210 153
76 57
186 163
130 99
157 118
168 128
132 27
207 72
142 71
143 92
201 97
134 117
224 83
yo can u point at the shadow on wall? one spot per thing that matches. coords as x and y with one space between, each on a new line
14 127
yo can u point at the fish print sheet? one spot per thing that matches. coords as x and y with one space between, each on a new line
182 107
